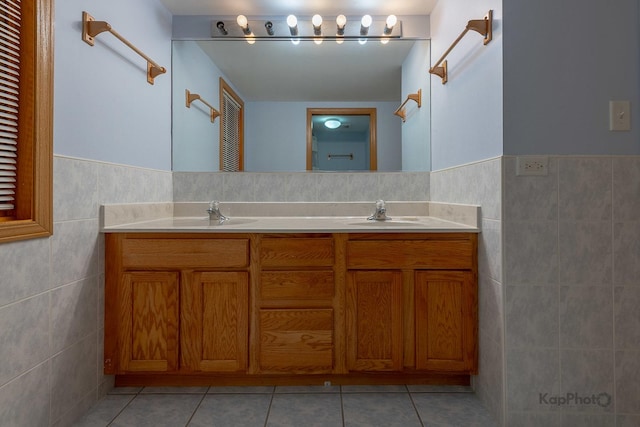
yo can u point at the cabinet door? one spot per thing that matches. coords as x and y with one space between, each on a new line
374 321
148 332
446 321
214 321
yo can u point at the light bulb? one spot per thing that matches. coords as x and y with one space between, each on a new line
269 27
292 22
362 41
242 21
366 23
339 40
332 123
317 40
341 21
317 25
392 20
221 28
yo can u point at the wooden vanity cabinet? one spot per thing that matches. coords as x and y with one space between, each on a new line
200 308
176 303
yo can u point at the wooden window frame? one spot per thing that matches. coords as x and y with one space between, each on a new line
33 216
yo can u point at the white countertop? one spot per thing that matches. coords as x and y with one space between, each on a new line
293 225
417 217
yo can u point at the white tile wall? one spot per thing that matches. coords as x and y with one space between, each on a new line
23 279
627 377
481 184
300 187
572 276
571 280
51 296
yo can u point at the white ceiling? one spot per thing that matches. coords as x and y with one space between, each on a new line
300 8
279 71
316 73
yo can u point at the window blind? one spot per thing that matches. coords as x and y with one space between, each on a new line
9 100
231 134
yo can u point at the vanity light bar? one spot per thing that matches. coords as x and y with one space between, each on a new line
329 28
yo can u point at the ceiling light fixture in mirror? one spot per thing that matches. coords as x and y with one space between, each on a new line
290 27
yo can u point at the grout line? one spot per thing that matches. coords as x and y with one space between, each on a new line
342 407
125 407
415 408
613 295
557 279
197 407
266 418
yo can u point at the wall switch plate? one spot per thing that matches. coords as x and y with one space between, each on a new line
619 115
532 165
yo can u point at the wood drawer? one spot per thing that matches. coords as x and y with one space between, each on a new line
413 254
185 253
297 252
296 341
297 285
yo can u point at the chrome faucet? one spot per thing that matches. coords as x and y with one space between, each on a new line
381 212
214 212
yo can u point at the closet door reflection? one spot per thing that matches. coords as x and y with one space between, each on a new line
231 129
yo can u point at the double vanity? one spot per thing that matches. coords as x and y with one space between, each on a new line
290 293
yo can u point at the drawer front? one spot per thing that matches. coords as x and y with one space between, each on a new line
427 254
297 252
185 253
297 285
296 341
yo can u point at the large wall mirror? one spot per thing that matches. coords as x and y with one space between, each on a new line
280 81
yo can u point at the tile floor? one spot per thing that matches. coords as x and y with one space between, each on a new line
388 406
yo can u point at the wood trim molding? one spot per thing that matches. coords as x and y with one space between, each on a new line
34 211
373 137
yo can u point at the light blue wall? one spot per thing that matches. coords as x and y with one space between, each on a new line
276 139
563 62
416 131
104 108
544 90
196 141
356 143
467 112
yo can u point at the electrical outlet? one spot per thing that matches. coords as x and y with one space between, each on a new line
532 165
